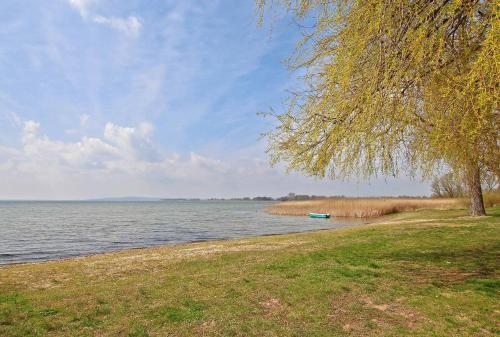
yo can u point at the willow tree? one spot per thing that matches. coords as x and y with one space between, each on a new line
393 85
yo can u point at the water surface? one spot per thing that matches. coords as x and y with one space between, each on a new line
37 231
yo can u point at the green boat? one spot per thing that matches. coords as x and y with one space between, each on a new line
319 215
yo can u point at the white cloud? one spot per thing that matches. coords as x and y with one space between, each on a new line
40 151
11 117
122 159
130 26
133 143
82 6
125 161
30 130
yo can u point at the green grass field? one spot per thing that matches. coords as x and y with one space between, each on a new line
426 273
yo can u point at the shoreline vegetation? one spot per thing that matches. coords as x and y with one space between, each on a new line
439 278
372 207
363 207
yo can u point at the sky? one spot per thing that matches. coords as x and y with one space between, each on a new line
158 98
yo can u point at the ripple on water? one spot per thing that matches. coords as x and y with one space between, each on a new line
35 231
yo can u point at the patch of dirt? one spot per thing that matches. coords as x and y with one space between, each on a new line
206 327
208 324
370 304
272 305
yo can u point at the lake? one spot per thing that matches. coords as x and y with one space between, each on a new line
46 230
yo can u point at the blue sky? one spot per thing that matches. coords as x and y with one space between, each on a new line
154 98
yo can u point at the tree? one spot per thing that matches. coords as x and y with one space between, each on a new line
451 185
447 186
391 86
489 182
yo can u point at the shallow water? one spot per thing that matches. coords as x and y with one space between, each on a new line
37 231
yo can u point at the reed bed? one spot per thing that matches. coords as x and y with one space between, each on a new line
363 207
491 198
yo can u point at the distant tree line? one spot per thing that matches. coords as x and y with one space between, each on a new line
289 197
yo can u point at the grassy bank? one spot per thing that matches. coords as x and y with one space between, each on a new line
363 207
428 273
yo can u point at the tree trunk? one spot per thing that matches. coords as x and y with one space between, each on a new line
475 191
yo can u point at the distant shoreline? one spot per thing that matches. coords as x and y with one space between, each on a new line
290 197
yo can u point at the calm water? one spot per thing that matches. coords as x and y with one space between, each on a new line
34 231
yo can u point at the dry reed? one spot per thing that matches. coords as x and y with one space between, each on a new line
362 207
491 198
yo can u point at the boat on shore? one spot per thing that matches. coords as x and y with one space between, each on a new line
319 215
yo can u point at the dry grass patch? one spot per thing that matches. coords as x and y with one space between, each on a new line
363 207
358 313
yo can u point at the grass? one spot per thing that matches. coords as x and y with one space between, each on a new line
426 273
363 207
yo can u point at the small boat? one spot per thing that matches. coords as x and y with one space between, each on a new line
319 215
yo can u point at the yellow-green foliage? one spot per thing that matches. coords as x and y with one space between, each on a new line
391 85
